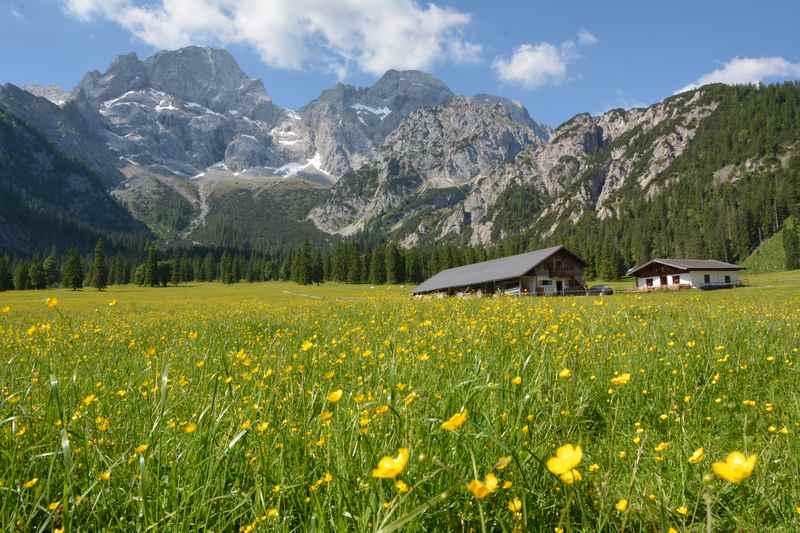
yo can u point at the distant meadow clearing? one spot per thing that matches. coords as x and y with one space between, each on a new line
276 407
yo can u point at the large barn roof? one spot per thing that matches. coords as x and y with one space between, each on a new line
497 269
687 265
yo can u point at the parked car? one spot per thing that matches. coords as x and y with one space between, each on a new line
597 290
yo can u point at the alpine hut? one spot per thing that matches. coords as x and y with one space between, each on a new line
685 273
551 271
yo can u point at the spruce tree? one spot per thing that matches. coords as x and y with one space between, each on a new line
72 275
377 267
175 273
4 274
21 281
99 267
151 274
36 278
317 267
394 265
209 268
301 264
50 269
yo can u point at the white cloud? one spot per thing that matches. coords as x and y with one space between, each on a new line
587 38
16 14
537 65
374 35
747 70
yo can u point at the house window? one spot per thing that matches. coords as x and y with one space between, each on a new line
707 279
545 282
649 282
727 279
676 280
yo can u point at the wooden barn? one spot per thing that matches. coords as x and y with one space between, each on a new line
685 273
551 271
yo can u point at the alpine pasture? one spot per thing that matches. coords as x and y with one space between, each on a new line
276 407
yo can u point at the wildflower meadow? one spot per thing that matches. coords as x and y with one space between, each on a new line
275 407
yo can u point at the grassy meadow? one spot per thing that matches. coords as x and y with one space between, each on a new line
276 407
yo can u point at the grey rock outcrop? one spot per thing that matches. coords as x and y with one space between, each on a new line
445 146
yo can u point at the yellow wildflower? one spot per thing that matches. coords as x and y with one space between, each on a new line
140 449
481 489
335 396
515 505
697 456
565 373
516 380
31 483
189 427
567 457
622 379
390 467
736 467
621 505
455 421
51 302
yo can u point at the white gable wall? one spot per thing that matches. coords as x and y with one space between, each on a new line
716 277
694 278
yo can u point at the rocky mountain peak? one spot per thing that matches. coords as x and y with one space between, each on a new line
54 93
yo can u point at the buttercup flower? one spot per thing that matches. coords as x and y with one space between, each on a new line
455 421
697 456
622 379
335 396
481 489
390 467
563 464
736 467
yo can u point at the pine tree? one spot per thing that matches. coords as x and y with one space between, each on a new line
209 268
301 264
377 266
72 275
175 274
21 280
151 274
226 268
394 265
50 268
317 267
36 278
4 274
99 267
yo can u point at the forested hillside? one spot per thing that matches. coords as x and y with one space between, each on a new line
733 187
48 199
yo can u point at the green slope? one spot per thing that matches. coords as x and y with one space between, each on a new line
770 255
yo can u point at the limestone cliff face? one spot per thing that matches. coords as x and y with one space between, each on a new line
440 147
582 166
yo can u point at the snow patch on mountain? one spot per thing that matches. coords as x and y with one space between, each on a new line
381 112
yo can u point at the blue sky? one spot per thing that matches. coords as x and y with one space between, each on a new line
557 58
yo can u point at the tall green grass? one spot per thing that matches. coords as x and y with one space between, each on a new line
207 408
